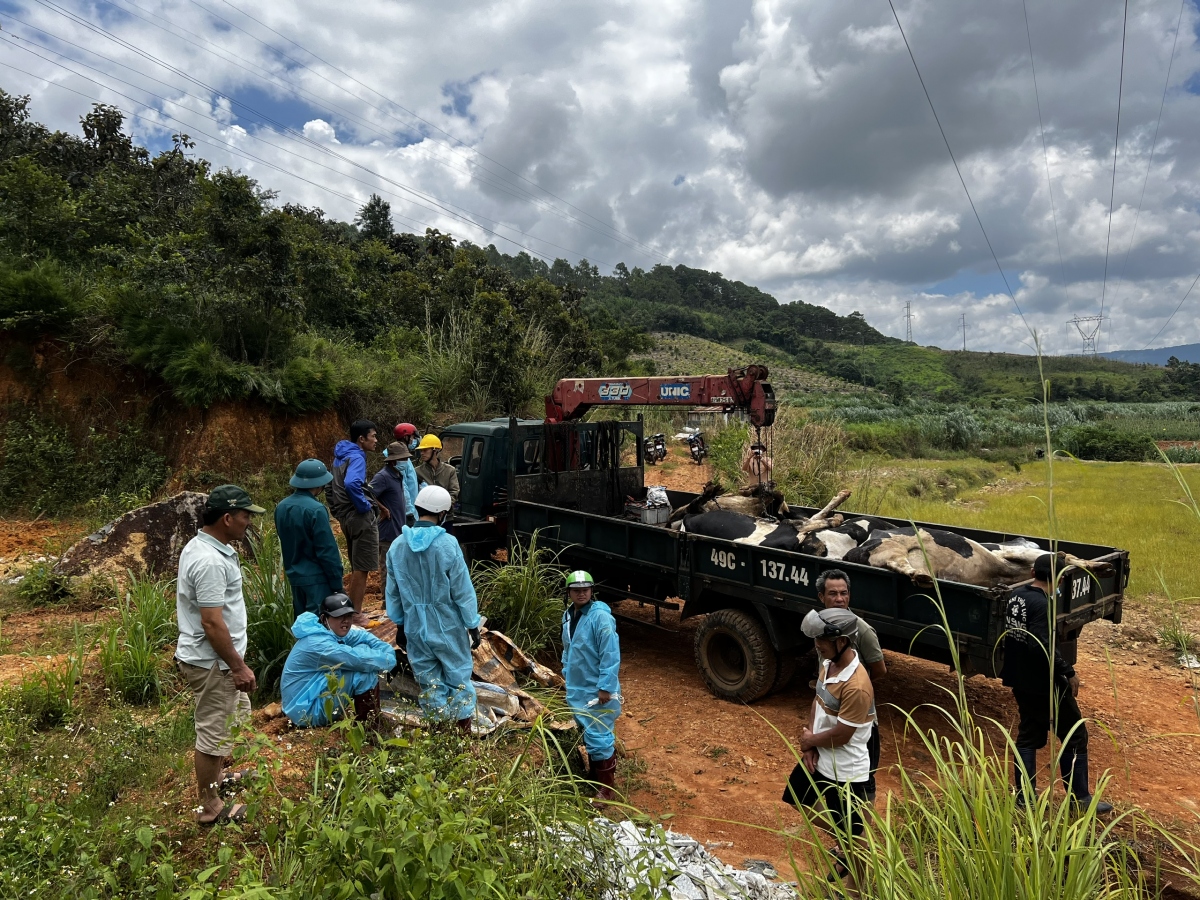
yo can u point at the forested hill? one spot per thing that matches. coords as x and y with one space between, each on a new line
700 303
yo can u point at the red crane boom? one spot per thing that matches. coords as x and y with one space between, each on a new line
745 389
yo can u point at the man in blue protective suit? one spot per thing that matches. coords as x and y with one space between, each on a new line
311 559
432 601
591 659
330 644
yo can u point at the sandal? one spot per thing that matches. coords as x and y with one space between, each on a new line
839 865
230 780
232 812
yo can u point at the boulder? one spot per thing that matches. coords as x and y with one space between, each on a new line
146 540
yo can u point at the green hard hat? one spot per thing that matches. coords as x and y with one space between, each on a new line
311 474
579 579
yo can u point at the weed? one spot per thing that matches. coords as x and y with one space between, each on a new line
715 752
269 613
523 598
131 651
1175 634
42 586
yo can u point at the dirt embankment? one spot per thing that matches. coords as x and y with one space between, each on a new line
200 445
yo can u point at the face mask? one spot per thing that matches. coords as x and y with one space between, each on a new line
412 445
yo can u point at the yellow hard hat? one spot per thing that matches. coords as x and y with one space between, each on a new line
429 442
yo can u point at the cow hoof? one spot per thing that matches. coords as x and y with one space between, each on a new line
922 580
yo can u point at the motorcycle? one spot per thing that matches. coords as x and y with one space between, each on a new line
655 448
697 448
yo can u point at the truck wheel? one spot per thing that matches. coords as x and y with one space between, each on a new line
735 656
785 671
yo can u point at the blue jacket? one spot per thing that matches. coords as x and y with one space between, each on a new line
310 551
388 488
316 653
350 455
592 658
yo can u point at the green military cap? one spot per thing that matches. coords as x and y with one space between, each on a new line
229 498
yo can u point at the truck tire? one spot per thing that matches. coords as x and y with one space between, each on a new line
735 656
785 671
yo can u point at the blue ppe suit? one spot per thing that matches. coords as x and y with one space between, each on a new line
358 658
430 596
409 474
311 559
591 660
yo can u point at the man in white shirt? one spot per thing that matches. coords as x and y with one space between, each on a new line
211 649
835 763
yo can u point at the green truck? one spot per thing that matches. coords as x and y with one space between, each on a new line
571 483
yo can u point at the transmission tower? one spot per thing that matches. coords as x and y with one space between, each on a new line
908 321
964 331
1088 328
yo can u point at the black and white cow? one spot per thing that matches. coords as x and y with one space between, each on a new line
953 557
743 529
835 543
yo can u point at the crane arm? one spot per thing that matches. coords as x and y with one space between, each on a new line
745 389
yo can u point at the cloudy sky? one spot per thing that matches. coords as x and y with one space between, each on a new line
784 143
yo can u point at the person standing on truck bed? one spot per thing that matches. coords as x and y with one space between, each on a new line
1027 670
354 510
834 764
311 559
432 601
388 488
833 590
591 659
432 470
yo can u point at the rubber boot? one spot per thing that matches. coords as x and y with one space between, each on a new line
366 706
1075 780
1025 767
604 773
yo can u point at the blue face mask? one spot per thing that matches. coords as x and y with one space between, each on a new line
412 445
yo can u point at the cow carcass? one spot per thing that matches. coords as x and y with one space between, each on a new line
934 553
835 543
743 529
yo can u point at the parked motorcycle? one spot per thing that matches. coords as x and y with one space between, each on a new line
655 448
697 448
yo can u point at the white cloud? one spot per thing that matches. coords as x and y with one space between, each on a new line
785 143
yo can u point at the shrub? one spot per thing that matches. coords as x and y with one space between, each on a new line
524 597
810 458
40 586
269 613
725 449
35 301
1103 443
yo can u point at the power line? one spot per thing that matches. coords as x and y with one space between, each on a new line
1045 153
321 105
961 180
1153 144
449 209
1178 306
243 153
425 121
1116 142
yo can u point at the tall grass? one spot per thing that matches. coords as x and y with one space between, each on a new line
131 650
524 598
269 613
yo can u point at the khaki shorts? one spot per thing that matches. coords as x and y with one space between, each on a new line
362 540
219 706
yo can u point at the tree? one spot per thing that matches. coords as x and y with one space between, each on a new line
374 219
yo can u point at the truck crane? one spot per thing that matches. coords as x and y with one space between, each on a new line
746 389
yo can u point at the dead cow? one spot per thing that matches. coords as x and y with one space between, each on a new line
835 543
743 529
953 557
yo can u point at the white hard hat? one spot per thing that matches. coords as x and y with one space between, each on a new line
434 499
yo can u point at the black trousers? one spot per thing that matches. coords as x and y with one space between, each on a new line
1036 715
805 789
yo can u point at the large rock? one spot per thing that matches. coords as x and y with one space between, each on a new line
146 540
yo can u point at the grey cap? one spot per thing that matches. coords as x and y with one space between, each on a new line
829 623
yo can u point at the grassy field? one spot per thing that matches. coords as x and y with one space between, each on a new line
1126 505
